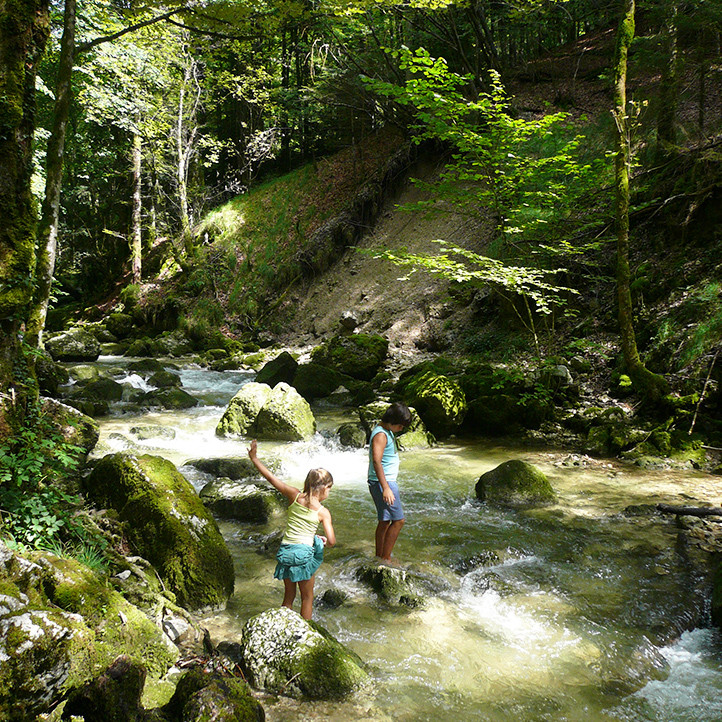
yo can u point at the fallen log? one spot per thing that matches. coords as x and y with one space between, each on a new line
689 510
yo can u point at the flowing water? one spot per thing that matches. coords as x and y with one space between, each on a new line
572 612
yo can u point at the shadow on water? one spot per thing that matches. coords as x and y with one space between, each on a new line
570 612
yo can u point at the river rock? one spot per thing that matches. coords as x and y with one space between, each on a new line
414 436
358 355
119 324
152 431
164 379
102 390
315 381
515 483
438 399
393 585
59 623
247 502
232 468
201 696
286 416
240 415
76 428
352 435
282 653
173 343
281 368
169 398
167 524
77 344
50 374
145 367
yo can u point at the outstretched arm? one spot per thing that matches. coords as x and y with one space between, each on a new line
290 492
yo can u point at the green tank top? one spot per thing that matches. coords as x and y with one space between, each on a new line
301 524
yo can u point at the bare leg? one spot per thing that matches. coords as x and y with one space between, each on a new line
381 529
306 587
389 539
289 593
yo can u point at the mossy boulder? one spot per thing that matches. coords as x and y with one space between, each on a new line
144 432
119 324
353 435
393 585
281 368
231 467
60 625
173 343
201 696
77 344
358 355
240 501
315 381
414 436
164 379
167 524
515 483
145 367
282 653
240 414
76 428
169 398
50 374
438 399
102 390
286 416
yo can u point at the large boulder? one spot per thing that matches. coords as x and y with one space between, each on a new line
282 653
286 416
77 344
359 355
240 501
515 483
438 399
60 623
75 427
281 368
314 381
50 374
119 324
393 585
414 436
240 415
169 398
167 524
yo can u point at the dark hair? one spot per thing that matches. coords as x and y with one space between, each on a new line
397 413
317 479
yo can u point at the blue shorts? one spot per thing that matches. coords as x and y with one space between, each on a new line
394 512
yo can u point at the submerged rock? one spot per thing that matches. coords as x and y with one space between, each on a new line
168 525
515 483
152 431
282 653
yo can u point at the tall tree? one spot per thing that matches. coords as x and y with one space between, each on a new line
24 29
649 384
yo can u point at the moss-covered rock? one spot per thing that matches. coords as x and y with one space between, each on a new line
167 524
173 343
77 428
164 379
281 368
284 654
102 390
119 324
240 414
60 625
50 374
414 436
393 585
169 398
286 416
353 435
515 483
201 696
246 502
439 400
232 468
77 344
145 367
359 355
315 381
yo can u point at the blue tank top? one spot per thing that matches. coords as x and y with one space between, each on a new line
389 459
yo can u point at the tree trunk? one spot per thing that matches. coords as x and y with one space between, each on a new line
667 117
25 28
136 249
50 215
648 384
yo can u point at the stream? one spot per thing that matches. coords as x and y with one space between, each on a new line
572 612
